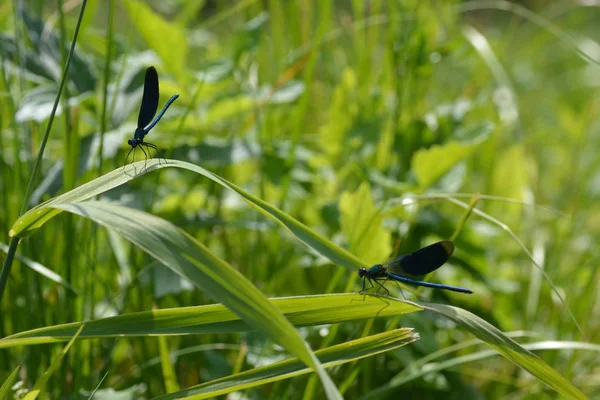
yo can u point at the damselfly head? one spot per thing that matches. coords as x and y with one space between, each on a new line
362 272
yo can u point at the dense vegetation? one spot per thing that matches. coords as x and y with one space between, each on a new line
310 138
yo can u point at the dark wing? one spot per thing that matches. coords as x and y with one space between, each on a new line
422 261
149 99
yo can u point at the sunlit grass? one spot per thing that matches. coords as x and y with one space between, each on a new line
357 130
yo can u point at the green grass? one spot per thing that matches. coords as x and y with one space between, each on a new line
309 139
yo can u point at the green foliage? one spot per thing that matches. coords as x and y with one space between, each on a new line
168 40
42 381
357 127
330 357
360 222
10 380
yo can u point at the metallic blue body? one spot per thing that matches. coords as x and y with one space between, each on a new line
147 110
420 262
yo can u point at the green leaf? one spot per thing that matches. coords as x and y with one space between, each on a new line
429 165
216 318
301 311
228 108
47 44
40 384
329 357
37 103
37 216
509 176
34 218
343 111
507 347
41 269
168 40
361 224
190 259
421 368
30 62
8 383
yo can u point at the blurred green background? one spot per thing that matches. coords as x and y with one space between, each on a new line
372 122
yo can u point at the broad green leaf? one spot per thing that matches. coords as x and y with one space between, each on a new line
507 347
216 318
40 384
301 311
227 108
189 258
329 357
9 382
13 52
509 176
34 218
341 114
361 224
429 165
37 104
168 40
37 216
47 43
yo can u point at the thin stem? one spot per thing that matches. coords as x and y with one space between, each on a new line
6 267
10 255
38 161
466 216
103 118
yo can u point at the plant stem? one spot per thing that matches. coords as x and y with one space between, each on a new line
10 255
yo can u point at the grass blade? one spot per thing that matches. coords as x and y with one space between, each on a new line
41 269
508 348
106 215
329 357
423 369
37 216
8 383
169 376
216 318
41 382
190 259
